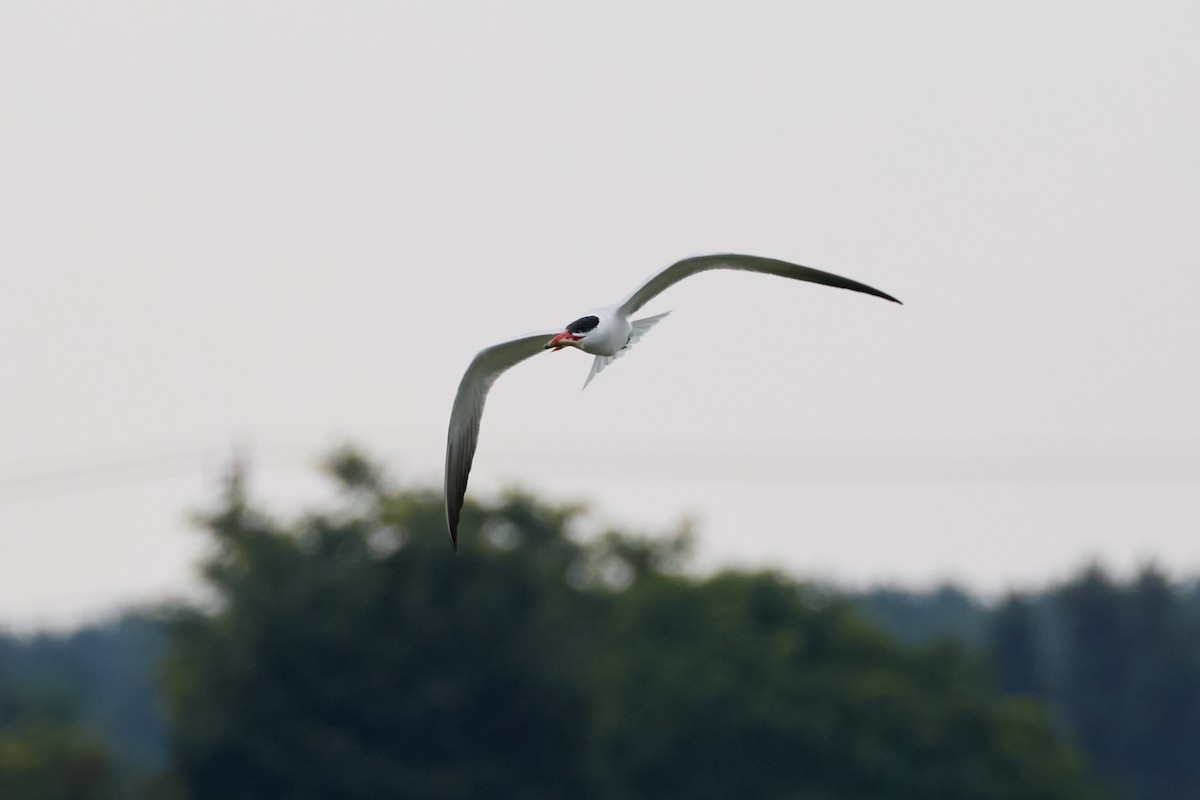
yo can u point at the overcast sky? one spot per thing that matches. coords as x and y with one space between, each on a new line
291 224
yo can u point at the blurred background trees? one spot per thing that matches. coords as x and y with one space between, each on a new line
43 755
1120 665
353 656
350 654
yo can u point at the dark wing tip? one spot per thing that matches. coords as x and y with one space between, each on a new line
452 525
871 290
855 286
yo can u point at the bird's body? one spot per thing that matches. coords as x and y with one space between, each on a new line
610 335
606 333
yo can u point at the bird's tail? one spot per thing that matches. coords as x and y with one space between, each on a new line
640 327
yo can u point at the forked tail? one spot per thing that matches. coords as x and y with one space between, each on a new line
640 327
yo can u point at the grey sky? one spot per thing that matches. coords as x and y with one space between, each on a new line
292 224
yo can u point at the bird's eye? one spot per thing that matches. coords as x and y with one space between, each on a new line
583 324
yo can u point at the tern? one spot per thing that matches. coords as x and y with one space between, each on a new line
606 333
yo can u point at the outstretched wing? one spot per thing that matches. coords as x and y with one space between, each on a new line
463 436
690 266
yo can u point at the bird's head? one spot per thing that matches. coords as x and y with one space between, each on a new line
574 333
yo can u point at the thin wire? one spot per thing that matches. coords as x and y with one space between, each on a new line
71 480
727 467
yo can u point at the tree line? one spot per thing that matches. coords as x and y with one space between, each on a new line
350 655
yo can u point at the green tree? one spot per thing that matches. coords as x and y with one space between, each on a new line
103 678
1016 648
945 613
52 763
1095 663
1160 708
351 655
355 657
1119 665
749 686
43 757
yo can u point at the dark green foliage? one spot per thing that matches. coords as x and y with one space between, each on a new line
52 763
1130 683
1163 690
357 658
353 656
1017 649
1117 664
948 612
749 686
104 677
1120 667
43 756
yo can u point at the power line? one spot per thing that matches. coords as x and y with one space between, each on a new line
732 467
123 472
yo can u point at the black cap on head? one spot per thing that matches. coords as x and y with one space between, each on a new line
583 324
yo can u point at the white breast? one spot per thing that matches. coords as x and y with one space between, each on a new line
609 335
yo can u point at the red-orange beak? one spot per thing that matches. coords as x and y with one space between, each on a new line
564 339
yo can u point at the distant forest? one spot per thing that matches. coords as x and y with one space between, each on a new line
352 655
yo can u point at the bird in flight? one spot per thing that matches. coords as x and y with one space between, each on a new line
606 333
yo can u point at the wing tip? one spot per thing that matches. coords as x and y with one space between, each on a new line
871 290
452 526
